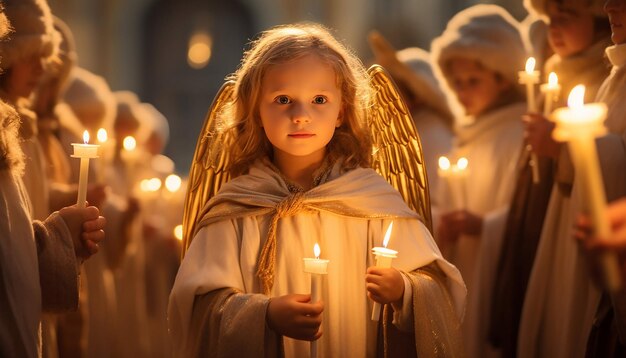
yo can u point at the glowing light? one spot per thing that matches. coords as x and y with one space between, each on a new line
173 183
462 163
444 163
317 251
388 235
86 137
200 49
130 143
553 80
102 135
178 232
576 97
530 65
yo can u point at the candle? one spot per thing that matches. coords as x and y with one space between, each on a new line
579 124
383 257
84 152
102 137
455 175
316 267
129 154
529 77
551 91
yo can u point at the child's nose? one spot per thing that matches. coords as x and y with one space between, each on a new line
299 114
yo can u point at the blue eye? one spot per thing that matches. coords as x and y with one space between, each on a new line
319 100
282 100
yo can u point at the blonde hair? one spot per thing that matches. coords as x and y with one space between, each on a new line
351 141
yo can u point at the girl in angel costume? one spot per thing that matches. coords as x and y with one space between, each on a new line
294 138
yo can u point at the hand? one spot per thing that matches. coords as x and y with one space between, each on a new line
86 227
295 316
616 214
96 194
538 134
458 222
385 285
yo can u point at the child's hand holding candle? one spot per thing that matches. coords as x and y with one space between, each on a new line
384 283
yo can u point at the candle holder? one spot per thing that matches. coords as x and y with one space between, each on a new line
317 268
579 125
84 152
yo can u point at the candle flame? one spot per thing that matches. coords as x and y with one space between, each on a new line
462 163
102 135
172 183
444 163
317 251
178 232
553 79
388 235
86 137
576 97
530 65
130 143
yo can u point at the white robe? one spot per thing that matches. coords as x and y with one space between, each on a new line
491 143
561 300
225 254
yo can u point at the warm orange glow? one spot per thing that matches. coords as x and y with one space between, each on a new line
173 183
553 80
178 232
576 97
102 135
86 137
530 65
317 251
388 235
200 49
444 163
130 143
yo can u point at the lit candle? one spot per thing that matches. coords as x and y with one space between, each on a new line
129 154
530 77
383 257
84 152
316 267
551 92
455 175
102 138
579 125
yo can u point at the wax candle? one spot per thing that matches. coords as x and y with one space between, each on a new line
316 267
103 140
551 92
84 151
455 175
579 124
129 154
383 257
530 77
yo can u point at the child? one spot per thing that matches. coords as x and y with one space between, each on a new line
300 162
479 55
412 71
558 288
578 33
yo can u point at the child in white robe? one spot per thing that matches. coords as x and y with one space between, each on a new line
478 56
301 176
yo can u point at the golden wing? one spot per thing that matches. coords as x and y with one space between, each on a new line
208 168
397 154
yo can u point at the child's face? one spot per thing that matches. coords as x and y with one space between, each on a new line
476 87
300 105
24 76
616 9
571 28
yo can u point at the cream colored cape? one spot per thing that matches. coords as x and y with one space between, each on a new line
215 306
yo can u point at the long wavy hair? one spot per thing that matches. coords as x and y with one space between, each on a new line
283 44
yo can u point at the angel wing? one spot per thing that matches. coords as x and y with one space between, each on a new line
208 168
397 154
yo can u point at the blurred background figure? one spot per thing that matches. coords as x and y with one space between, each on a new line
412 72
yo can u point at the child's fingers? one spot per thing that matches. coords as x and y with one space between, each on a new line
97 223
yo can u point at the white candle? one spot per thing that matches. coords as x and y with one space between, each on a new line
84 152
316 267
551 92
579 125
455 175
103 139
129 155
383 257
530 77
